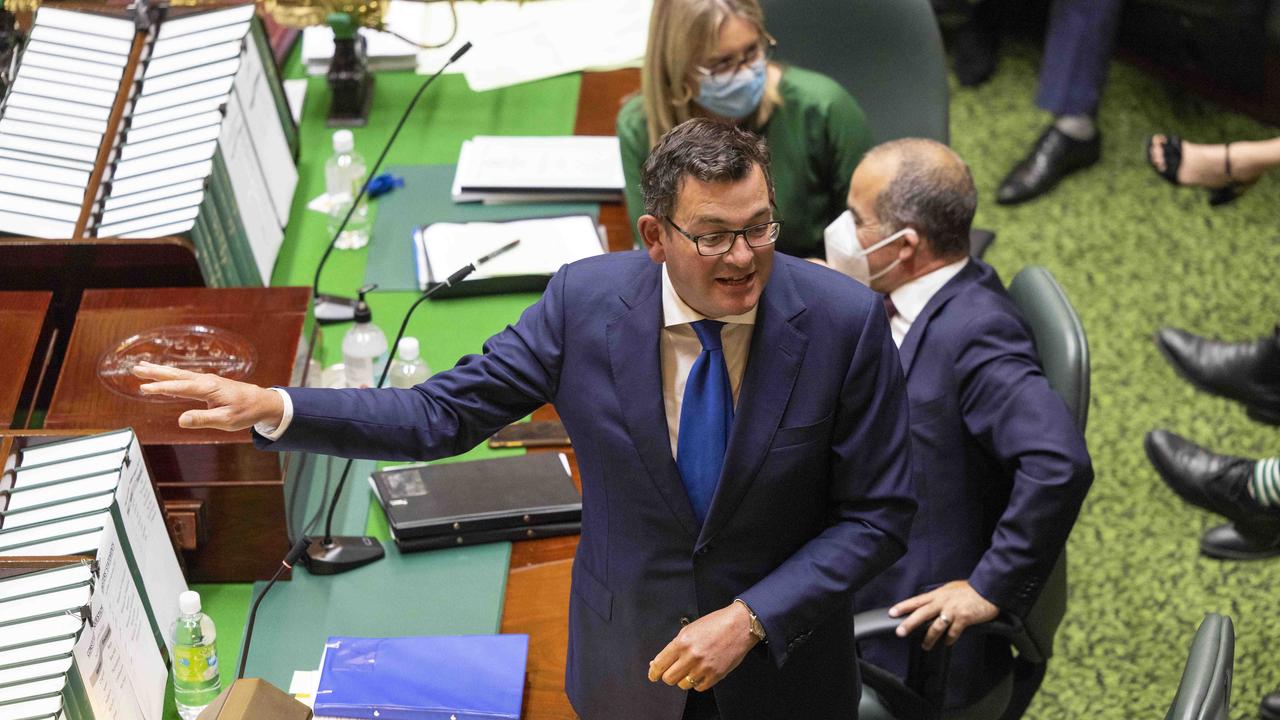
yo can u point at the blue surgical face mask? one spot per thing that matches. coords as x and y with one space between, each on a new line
734 95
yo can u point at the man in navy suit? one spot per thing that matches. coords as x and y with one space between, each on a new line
1000 468
741 476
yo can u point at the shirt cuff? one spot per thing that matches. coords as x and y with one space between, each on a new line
273 432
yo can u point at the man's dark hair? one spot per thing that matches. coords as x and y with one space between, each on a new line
707 150
932 191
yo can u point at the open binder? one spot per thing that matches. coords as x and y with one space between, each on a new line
171 123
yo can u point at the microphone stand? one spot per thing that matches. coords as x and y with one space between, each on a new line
338 554
331 309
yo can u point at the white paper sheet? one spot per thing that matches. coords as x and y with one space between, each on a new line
545 245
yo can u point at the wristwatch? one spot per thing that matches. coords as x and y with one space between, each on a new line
756 628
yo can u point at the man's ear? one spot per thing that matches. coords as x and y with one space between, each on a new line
911 246
650 229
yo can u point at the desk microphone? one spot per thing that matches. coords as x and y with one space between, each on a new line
295 553
334 555
334 308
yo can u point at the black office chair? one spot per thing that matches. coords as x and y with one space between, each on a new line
1064 353
888 55
1205 690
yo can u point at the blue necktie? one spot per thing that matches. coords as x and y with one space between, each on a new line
705 418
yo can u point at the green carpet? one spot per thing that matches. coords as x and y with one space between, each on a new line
1135 253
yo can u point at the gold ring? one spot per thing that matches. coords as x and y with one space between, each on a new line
693 682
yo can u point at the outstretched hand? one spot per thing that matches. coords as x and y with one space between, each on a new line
232 405
949 610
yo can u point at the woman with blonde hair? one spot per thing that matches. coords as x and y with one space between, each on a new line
712 58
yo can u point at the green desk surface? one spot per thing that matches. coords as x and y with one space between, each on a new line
452 591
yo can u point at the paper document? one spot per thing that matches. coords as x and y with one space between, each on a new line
545 245
519 42
524 169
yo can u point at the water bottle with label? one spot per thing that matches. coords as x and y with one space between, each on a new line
343 178
196 675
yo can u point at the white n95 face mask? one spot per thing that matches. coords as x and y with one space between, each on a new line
846 254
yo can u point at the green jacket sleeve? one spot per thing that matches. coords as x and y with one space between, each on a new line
849 138
633 137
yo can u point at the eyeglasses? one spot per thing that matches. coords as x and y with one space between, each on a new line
721 241
725 68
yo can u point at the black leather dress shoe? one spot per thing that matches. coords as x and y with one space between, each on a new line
1217 483
1228 542
1270 709
1247 372
1054 156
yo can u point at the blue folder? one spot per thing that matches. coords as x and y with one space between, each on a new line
467 677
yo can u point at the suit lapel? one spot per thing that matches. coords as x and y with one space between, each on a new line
773 363
635 357
910 343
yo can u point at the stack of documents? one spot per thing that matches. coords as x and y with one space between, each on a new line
204 147
75 644
157 182
86 496
575 168
468 677
55 116
205 152
545 245
43 613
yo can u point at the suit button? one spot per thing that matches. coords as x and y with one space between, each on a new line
685 620
704 549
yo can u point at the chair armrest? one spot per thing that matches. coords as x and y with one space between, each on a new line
877 623
874 623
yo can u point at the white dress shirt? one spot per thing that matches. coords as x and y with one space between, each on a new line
680 347
273 432
910 298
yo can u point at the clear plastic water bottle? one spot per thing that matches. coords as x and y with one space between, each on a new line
409 368
196 676
343 177
364 347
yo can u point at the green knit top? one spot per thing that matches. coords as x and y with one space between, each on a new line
816 138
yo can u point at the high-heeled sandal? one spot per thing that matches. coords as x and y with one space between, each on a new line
1172 151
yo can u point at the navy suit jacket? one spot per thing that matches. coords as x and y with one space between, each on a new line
815 497
1000 470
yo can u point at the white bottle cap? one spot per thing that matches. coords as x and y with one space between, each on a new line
408 348
189 602
343 141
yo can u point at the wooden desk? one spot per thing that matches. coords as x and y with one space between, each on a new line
227 495
23 317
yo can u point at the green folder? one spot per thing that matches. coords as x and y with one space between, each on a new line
426 198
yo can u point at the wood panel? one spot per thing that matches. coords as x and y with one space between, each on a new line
599 100
22 323
537 604
236 490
